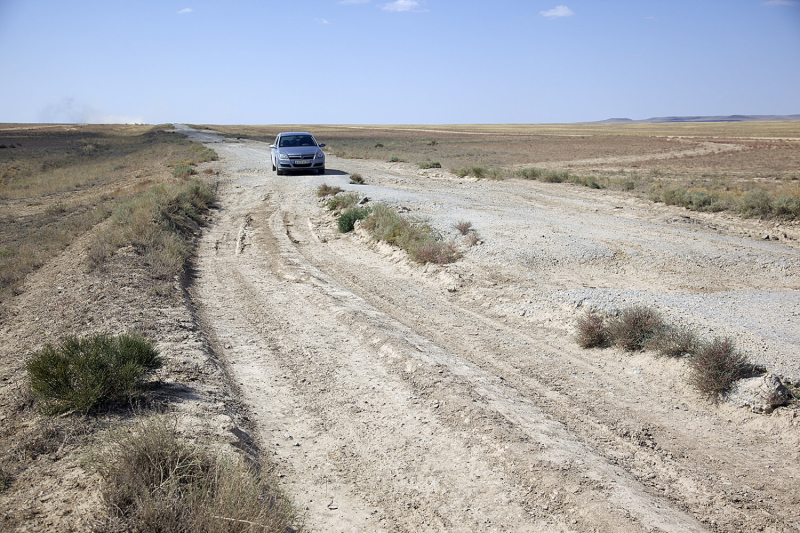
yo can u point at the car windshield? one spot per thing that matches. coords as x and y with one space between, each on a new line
289 141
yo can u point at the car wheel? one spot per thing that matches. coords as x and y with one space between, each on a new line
273 166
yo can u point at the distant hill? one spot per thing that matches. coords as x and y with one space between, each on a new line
729 118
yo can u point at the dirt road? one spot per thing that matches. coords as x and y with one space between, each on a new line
395 397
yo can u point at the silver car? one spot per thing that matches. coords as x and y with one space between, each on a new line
298 151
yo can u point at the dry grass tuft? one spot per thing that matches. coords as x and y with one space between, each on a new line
357 179
343 201
156 482
326 190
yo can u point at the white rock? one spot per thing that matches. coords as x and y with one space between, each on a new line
761 394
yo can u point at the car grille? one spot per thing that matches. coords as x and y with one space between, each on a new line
294 157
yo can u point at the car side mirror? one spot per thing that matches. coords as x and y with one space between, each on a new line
272 146
322 145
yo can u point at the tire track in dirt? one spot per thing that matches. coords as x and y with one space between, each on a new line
391 404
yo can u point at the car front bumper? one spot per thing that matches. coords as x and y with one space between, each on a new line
300 164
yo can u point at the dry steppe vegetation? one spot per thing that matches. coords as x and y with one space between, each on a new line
752 168
98 223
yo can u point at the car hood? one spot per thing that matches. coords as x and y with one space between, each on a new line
299 150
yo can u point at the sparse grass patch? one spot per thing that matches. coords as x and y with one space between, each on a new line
673 341
159 223
326 190
634 326
715 366
592 331
435 251
183 170
415 237
347 220
343 201
357 179
156 482
81 374
396 159
430 164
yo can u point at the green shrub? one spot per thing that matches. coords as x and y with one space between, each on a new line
343 201
716 366
787 207
82 374
430 164
395 160
634 326
591 331
755 204
348 219
155 482
183 170
357 179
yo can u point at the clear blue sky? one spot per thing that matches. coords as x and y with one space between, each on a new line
395 61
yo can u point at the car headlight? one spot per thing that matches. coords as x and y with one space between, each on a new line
283 155
320 155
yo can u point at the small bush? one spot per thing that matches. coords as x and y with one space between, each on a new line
463 226
472 239
153 481
357 179
395 160
183 170
716 366
634 327
208 171
787 207
326 190
81 374
348 219
591 331
673 341
343 201
378 145
755 204
437 252
430 164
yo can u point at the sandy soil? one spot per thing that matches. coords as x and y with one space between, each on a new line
396 397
